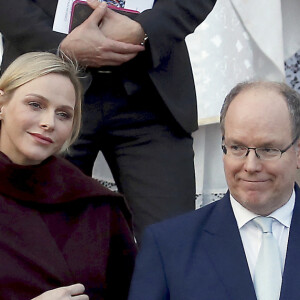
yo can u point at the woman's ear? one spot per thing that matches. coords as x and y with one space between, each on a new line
1 104
1 107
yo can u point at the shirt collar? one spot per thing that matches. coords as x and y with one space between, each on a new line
282 214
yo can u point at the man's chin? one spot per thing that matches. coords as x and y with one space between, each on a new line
256 202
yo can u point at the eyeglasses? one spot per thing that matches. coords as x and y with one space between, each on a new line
261 153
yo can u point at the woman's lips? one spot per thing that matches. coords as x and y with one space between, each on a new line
42 138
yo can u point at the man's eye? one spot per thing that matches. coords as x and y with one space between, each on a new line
237 148
269 150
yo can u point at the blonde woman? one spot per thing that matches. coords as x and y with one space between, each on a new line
62 234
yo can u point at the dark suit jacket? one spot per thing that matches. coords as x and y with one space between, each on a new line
27 26
200 256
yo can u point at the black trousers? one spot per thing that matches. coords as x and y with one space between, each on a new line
150 156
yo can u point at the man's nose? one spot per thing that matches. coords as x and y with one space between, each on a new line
252 162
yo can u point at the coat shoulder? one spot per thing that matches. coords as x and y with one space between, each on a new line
184 227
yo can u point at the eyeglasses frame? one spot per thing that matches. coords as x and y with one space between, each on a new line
224 148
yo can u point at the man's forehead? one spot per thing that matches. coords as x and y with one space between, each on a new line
259 91
258 111
258 101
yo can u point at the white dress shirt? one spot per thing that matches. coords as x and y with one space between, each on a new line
251 235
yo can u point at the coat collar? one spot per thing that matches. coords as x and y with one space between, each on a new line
291 273
53 181
225 249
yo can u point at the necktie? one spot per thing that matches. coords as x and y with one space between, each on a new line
267 274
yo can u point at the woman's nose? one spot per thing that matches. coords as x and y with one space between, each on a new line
47 122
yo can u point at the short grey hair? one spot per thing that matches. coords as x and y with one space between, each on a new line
291 97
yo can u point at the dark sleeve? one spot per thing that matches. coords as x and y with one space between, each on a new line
27 26
170 21
149 280
122 256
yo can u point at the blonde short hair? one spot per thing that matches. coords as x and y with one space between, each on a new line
33 65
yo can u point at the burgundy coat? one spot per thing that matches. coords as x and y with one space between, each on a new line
59 227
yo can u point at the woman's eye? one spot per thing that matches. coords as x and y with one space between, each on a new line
63 115
35 105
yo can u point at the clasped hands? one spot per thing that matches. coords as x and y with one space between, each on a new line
106 38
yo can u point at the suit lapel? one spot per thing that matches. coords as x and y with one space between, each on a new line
290 282
225 249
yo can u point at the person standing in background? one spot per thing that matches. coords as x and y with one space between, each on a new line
140 104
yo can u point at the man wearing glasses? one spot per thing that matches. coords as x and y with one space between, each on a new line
247 245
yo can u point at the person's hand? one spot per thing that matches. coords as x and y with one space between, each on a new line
91 48
119 27
74 292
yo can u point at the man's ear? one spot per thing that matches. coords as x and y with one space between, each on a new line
298 153
1 93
